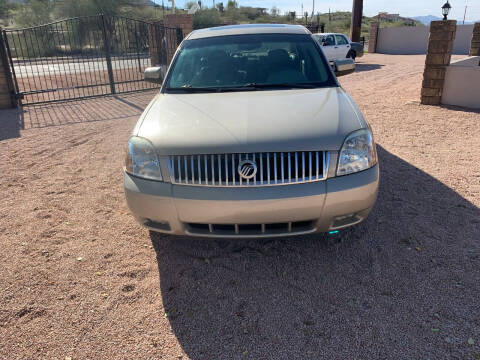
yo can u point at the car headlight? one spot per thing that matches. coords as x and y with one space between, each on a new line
358 153
141 159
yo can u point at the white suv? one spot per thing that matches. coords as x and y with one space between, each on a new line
338 46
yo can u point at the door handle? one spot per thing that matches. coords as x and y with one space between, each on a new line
336 47
348 46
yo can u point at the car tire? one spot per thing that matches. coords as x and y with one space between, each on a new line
352 54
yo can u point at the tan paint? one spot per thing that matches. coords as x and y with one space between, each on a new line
250 121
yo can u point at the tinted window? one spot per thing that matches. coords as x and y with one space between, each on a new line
330 39
341 40
235 61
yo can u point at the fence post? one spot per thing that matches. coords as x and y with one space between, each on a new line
106 45
7 98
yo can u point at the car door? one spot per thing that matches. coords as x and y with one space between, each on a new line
329 47
342 47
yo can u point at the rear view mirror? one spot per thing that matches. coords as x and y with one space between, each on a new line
154 74
343 66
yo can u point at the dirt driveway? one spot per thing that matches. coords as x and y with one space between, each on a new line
79 278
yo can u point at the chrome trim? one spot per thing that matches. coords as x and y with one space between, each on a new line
302 163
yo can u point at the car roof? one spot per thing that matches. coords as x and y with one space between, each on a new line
247 29
328 34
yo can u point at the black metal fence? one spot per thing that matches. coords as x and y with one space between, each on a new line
86 57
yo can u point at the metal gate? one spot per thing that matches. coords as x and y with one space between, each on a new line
86 57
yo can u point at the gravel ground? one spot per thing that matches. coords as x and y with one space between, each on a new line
79 278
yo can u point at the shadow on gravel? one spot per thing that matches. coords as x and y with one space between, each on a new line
11 122
461 109
359 67
413 266
72 112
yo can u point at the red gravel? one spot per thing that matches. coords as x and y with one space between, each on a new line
79 278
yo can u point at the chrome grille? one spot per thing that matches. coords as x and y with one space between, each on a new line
277 168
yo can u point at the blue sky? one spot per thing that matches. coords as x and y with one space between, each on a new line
370 7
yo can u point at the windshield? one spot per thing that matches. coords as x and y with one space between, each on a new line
249 62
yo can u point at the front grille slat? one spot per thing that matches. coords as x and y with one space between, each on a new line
296 167
310 164
205 165
303 165
273 168
268 168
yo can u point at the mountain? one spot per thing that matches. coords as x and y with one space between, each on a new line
427 19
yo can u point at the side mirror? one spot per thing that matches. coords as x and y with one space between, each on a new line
343 66
326 43
154 74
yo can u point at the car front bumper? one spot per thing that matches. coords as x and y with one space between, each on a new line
281 210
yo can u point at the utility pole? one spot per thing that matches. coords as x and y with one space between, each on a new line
313 8
465 13
356 23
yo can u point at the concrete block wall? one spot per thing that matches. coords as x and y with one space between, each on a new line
409 40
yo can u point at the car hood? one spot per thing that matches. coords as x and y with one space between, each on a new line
250 121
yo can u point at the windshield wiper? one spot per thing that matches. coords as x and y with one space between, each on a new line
283 85
246 87
190 89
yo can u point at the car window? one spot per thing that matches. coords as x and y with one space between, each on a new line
330 39
236 61
341 40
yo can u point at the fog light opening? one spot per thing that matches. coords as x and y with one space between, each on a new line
160 225
345 220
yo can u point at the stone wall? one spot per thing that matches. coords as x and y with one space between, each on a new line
475 45
182 21
5 79
372 42
439 52
163 39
